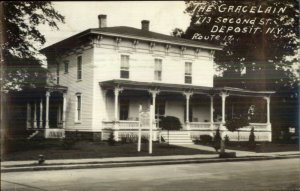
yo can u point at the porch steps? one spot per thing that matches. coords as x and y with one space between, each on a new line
176 137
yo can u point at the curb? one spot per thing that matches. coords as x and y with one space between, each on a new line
139 163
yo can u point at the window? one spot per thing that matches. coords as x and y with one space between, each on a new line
158 69
78 108
188 73
124 109
124 66
57 74
66 66
79 67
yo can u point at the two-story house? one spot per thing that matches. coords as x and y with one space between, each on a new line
103 75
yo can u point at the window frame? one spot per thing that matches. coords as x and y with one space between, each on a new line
125 69
66 66
78 108
79 69
158 69
188 72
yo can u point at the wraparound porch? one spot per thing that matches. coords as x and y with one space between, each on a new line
181 101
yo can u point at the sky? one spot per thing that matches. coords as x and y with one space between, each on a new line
79 16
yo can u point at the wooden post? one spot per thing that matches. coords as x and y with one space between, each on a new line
140 130
211 112
28 124
64 110
47 110
34 116
41 114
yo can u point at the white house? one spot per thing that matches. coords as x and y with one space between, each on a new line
102 75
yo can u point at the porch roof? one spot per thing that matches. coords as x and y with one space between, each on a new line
137 85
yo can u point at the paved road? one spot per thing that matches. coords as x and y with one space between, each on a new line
234 176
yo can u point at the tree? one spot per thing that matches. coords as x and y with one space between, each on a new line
217 140
23 39
260 60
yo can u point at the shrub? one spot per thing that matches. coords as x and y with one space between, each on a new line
251 142
217 140
226 140
111 140
236 122
170 123
206 139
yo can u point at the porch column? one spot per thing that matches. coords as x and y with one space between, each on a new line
187 96
268 109
47 110
223 95
58 115
153 93
64 110
41 114
116 91
34 116
211 112
28 116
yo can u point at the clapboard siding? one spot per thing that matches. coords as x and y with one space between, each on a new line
84 86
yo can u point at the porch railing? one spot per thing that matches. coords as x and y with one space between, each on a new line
199 125
193 125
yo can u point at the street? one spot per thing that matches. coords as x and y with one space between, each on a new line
263 175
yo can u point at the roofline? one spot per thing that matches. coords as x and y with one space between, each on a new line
157 40
93 31
203 89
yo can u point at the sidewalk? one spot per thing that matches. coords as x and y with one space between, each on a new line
18 166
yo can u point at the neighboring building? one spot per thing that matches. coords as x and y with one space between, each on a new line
104 74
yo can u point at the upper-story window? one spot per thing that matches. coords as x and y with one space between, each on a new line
157 69
79 67
124 66
66 66
78 108
57 74
188 73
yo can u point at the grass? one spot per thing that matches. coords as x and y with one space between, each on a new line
261 147
264 147
56 149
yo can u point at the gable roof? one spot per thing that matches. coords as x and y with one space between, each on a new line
139 34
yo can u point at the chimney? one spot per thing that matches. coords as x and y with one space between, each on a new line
102 21
145 25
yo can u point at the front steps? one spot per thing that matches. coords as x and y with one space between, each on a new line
176 137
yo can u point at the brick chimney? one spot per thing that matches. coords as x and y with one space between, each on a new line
145 25
102 21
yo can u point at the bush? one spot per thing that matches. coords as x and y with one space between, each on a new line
251 142
217 140
206 139
236 122
170 123
226 140
111 140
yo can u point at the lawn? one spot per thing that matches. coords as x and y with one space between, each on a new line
56 149
261 147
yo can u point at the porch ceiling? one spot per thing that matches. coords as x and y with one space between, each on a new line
167 87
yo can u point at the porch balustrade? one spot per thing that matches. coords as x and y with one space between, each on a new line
199 125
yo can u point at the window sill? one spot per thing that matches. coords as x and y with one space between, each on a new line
79 80
77 122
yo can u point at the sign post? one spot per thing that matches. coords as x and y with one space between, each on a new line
150 129
140 130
